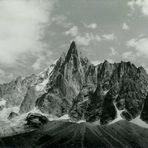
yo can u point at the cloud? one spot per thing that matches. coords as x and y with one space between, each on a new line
131 43
97 62
5 76
129 55
142 4
42 60
87 38
2 72
144 65
72 31
110 60
125 26
113 51
21 27
109 36
91 26
82 39
37 64
61 20
140 45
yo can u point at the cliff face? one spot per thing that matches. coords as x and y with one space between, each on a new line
13 93
65 83
144 114
76 87
120 87
94 93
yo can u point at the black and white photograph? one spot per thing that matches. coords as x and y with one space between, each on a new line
73 73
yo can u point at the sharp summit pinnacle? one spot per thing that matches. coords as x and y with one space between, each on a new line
72 51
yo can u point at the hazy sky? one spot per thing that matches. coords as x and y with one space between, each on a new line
34 33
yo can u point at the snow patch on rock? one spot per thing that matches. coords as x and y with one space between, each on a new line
2 102
81 121
48 70
139 122
41 86
64 117
105 92
118 118
45 75
6 111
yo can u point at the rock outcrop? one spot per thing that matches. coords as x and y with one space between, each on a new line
36 120
12 115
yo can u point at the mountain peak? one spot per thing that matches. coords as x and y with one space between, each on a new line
72 51
73 45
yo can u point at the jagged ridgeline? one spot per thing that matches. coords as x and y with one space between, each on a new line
82 90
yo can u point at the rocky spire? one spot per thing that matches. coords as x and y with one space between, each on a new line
72 51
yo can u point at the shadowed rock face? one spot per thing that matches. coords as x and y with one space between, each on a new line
121 84
144 114
29 100
76 87
71 135
125 115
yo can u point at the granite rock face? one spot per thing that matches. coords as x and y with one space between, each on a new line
144 114
120 87
23 92
29 100
76 87
65 83
13 93
92 93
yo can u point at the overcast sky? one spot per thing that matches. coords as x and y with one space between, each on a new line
34 33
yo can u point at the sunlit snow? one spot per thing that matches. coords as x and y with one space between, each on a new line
2 102
118 118
6 111
41 86
81 121
139 122
64 117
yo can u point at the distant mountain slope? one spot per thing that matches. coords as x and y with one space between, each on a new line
64 134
